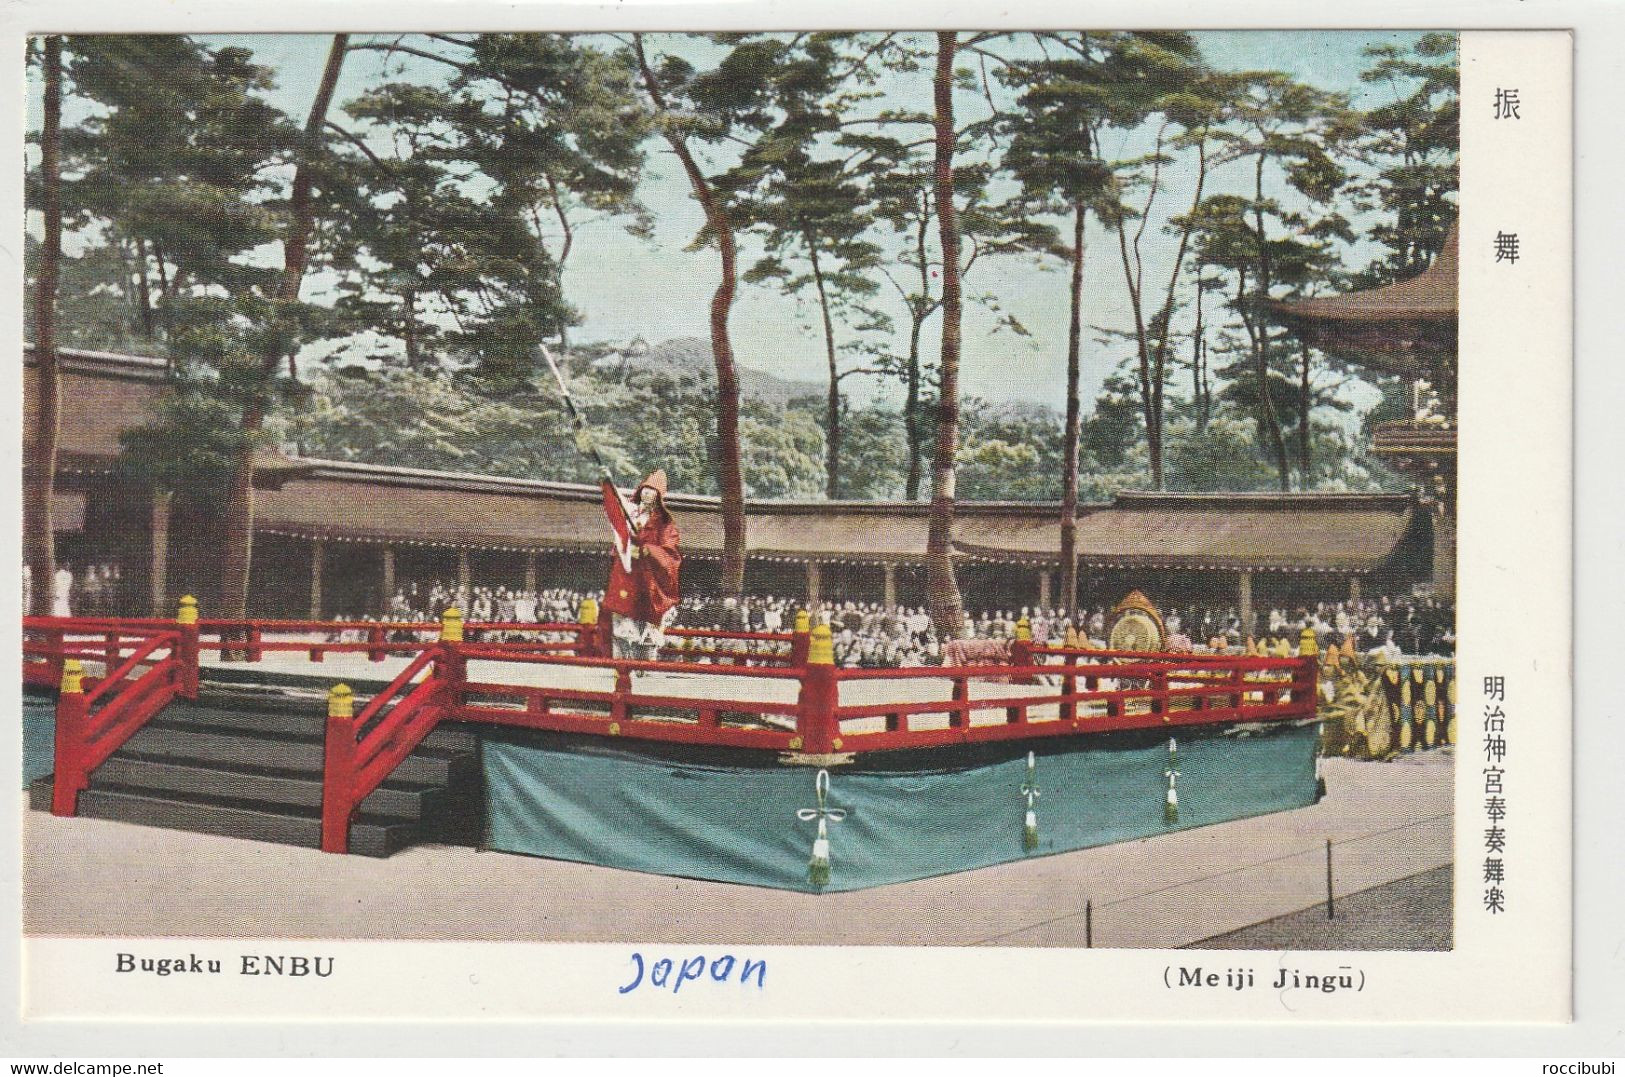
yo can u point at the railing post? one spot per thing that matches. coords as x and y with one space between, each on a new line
256 653
1069 687
338 770
1309 653
619 709
1021 652
816 724
587 630
798 641
375 639
451 667
187 652
55 641
71 713
1159 693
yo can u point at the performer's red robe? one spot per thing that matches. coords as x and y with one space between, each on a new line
643 576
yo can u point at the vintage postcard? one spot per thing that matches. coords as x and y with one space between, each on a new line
944 524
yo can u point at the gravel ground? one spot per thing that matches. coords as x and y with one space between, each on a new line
1413 913
1387 822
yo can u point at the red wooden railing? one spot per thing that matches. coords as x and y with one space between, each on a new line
362 749
1148 691
1055 692
142 670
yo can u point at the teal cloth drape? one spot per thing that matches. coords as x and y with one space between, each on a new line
621 808
39 736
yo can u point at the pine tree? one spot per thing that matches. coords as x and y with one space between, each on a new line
40 477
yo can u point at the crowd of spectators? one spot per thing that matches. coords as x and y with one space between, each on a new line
869 634
90 591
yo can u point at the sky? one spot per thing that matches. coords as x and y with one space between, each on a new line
627 287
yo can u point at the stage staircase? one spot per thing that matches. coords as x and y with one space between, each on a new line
247 763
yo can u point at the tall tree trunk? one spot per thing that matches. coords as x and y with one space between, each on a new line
237 558
919 310
144 288
566 245
1199 389
1069 472
942 589
1269 423
409 331
1305 407
39 539
1148 395
1165 319
1261 339
832 407
730 477
911 410
164 284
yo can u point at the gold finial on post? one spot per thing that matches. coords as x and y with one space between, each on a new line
451 625
821 647
1308 646
187 614
340 702
803 621
589 611
1024 630
73 677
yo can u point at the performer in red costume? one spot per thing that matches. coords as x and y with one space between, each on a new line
643 586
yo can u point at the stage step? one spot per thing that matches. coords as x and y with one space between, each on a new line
178 742
249 765
286 714
391 798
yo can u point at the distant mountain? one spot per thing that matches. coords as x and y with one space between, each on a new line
691 357
1017 411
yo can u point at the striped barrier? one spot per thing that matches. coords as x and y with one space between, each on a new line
1377 709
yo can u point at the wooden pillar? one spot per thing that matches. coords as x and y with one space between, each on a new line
814 578
465 588
1444 552
1354 588
1245 601
1044 583
158 559
318 550
890 591
388 581
530 571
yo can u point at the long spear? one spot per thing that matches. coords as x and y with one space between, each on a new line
584 440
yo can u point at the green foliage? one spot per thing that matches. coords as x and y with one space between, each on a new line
190 447
458 423
1009 456
435 421
451 194
455 223
874 447
1116 424
1224 454
1416 136
782 454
